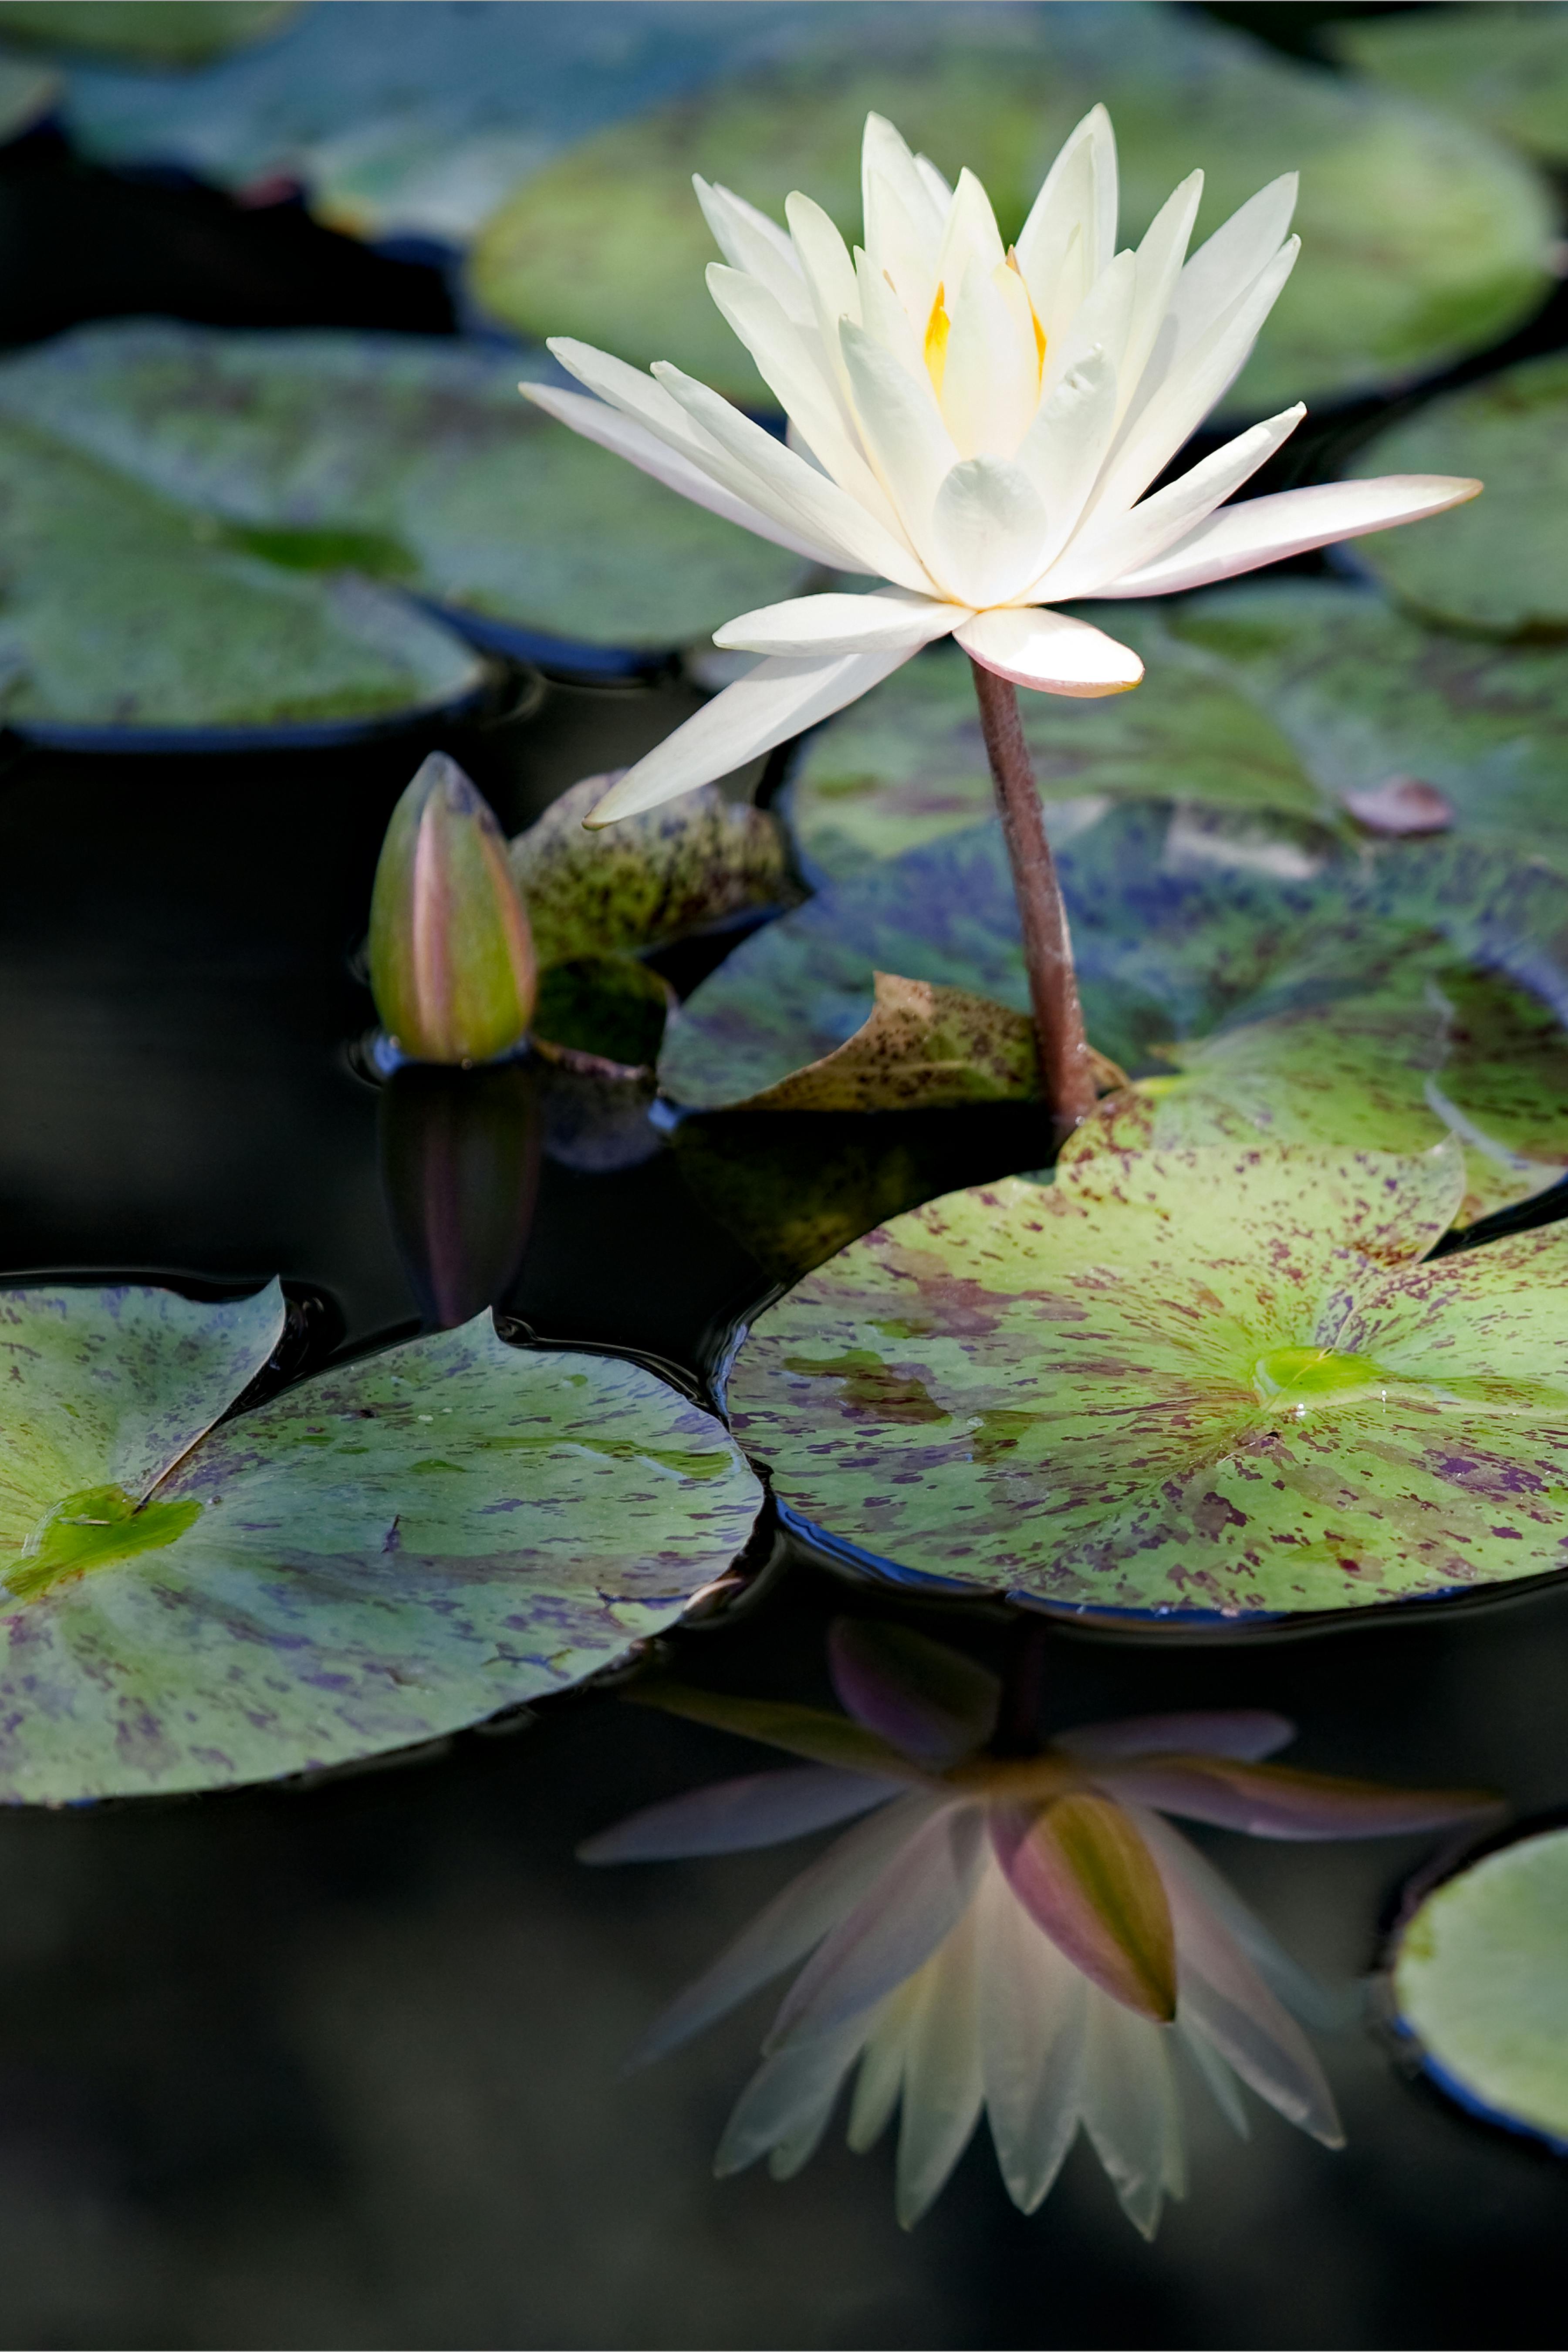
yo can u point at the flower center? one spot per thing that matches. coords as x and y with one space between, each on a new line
1293 1378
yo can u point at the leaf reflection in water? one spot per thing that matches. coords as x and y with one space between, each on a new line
1020 1934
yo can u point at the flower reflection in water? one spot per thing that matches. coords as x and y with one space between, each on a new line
1021 1934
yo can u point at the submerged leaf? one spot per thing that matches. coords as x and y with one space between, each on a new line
1422 238
1208 1382
152 31
1478 1982
386 1553
1500 564
1502 66
697 861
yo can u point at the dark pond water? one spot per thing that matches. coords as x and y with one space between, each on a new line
342 2064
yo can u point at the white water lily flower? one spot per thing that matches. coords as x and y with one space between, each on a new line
974 425
1021 1936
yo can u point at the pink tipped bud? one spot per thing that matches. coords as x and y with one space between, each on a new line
451 956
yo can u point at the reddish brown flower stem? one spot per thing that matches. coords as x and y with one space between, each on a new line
1066 1073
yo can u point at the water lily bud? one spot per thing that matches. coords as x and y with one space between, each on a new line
452 966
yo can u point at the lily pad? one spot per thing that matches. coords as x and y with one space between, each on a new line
697 861
1290 698
151 32
1424 238
1480 1983
609 1009
27 93
1211 1385
124 624
1434 972
378 1556
412 460
1500 564
1502 66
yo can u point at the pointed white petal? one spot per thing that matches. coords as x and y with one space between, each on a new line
1077 203
776 700
750 241
1049 651
1302 1995
891 1932
764 1809
1032 2026
1223 2085
1105 552
942 2090
1223 1996
885 157
651 454
881 2075
1265 531
939 190
1231 259
1103 320
1160 259
991 384
825 265
884 319
786 2105
809 1907
970 234
887 620
783 484
987 529
1130 2106
1065 447
1250 1734
898 258
1190 390
902 431
792 363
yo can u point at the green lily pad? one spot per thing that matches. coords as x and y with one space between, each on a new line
1389 996
608 1008
1216 1384
697 861
152 31
121 619
1282 698
27 93
414 461
1498 564
1478 1982
1504 67
1422 238
380 1555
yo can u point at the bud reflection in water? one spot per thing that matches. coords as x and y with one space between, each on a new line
1025 1934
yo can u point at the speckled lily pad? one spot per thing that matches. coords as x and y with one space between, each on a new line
124 622
380 1555
1283 697
413 460
1500 564
1217 1384
1422 238
1480 1983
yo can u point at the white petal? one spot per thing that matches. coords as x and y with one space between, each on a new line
1065 447
1158 267
991 381
889 621
764 1809
1077 203
1104 551
1266 530
1130 2107
884 319
892 1931
1224 1998
902 431
786 2103
1032 2027
1302 1995
1103 319
650 454
942 2091
826 265
987 529
936 187
885 157
774 701
783 483
903 221
1049 651
809 1907
750 241
1223 2087
881 2076
970 234
792 363
1191 390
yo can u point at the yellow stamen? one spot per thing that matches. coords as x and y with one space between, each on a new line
1040 330
938 327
